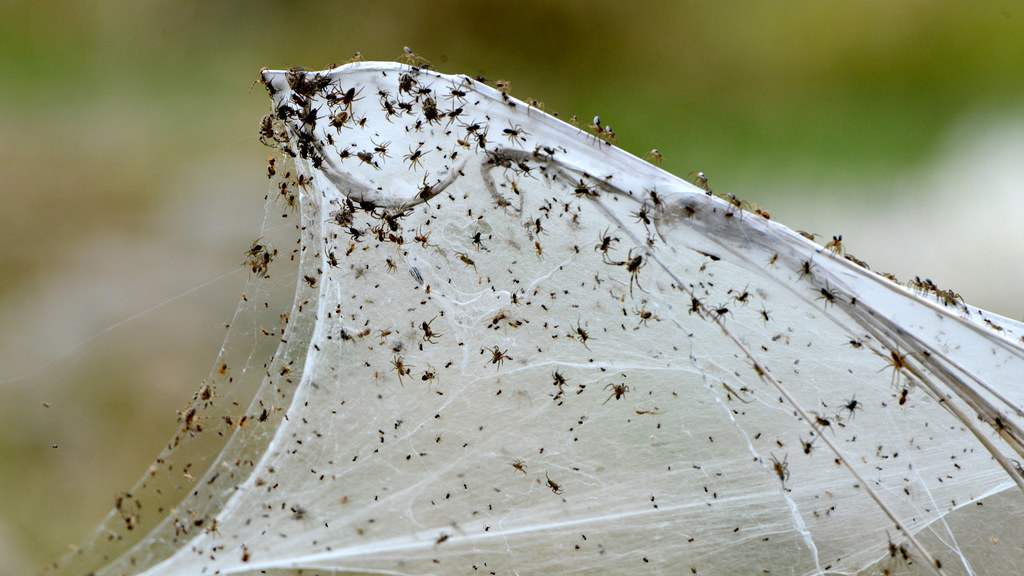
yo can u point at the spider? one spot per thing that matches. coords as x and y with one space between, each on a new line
695 305
580 333
271 171
515 132
701 181
428 334
388 106
808 446
605 244
852 405
402 368
743 297
596 128
414 156
423 238
466 260
618 392
828 295
897 362
836 246
559 380
258 258
429 375
645 315
642 215
339 120
519 465
367 158
497 355
781 468
633 264
267 131
412 59
346 99
381 149
806 269
430 110
582 189
551 484
456 92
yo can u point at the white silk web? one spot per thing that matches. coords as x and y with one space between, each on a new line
502 345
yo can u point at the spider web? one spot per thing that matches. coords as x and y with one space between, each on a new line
482 340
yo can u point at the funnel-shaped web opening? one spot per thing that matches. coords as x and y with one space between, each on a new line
515 349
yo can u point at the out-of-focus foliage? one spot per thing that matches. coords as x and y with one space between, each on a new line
130 151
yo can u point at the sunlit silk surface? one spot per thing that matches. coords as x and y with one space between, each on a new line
482 340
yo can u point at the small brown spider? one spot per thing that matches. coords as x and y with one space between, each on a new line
633 266
466 260
519 465
645 315
429 375
497 355
580 333
401 367
701 181
428 334
836 246
897 362
807 445
781 468
423 238
554 486
618 392
604 244
806 269
558 380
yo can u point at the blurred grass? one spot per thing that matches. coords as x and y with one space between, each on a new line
107 108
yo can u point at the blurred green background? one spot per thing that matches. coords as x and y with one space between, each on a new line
132 177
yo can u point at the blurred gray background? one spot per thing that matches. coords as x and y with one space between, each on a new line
132 177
